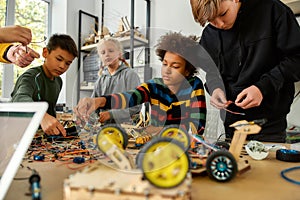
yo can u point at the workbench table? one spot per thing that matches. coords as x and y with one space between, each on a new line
262 181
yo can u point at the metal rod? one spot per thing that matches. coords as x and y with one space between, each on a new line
131 56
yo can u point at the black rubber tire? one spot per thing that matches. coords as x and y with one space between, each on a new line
222 145
221 166
288 155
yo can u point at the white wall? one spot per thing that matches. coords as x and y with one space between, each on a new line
168 17
65 20
60 8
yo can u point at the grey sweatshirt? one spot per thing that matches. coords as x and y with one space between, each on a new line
122 80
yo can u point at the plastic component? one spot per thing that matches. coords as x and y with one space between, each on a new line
288 155
175 132
116 133
164 162
221 166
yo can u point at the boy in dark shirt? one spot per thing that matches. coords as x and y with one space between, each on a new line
44 83
256 47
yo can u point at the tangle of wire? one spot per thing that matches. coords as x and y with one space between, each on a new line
66 152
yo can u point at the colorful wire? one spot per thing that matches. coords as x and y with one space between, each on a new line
283 174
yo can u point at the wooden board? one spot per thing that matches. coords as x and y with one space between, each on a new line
101 181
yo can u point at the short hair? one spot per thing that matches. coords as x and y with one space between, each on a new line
176 43
63 41
205 10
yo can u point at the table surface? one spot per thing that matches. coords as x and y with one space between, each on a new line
262 181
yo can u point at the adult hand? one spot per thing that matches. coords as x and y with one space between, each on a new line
249 97
21 55
51 126
15 33
218 99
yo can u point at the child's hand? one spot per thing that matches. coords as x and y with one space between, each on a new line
249 97
104 116
218 99
86 106
51 126
82 110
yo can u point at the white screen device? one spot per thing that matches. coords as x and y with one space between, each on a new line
18 125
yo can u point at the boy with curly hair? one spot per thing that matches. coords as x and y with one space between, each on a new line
177 97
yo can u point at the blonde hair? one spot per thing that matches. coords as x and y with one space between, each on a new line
116 42
118 45
205 10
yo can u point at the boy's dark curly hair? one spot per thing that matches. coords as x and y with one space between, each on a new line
176 43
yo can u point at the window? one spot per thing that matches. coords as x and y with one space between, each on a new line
2 23
34 14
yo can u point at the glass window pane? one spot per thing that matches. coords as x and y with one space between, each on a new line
2 12
2 23
34 15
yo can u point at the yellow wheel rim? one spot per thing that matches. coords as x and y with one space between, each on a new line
105 143
176 134
114 134
165 164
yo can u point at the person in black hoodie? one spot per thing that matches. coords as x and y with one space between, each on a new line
256 47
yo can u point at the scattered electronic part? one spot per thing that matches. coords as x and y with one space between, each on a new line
256 150
34 181
288 155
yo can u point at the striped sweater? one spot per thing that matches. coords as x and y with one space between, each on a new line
186 106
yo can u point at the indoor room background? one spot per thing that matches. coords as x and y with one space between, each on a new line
163 16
